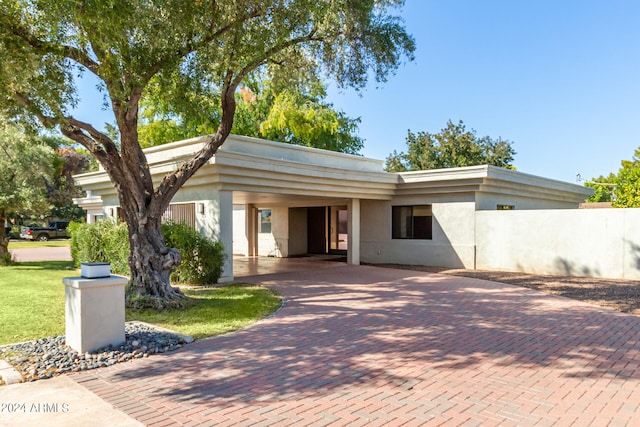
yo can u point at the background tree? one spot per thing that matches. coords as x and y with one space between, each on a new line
61 188
297 114
25 165
621 189
627 183
603 188
203 46
454 146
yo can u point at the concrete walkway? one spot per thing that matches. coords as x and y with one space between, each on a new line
62 253
371 346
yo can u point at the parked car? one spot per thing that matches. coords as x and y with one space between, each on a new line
55 230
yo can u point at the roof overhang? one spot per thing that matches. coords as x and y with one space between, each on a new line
251 165
489 179
280 172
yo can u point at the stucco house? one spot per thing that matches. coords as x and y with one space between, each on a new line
263 198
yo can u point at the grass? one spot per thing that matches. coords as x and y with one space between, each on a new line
32 296
215 311
20 244
32 299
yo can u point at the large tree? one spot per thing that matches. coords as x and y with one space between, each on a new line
454 146
201 44
296 114
26 165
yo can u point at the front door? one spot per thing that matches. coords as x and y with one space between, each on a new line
316 230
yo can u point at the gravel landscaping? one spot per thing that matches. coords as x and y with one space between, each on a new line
49 357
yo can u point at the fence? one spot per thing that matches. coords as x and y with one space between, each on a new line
590 242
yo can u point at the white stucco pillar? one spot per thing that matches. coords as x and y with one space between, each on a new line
225 232
216 222
353 253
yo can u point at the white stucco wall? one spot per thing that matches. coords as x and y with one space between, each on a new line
240 242
275 243
490 201
453 234
591 242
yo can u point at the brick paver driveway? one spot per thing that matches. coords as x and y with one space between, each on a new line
371 346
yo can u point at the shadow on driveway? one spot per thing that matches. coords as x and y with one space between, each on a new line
384 334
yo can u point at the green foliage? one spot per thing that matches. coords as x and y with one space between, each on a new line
191 50
621 189
107 241
191 47
453 146
602 188
6 259
25 166
61 188
298 115
103 241
202 259
627 189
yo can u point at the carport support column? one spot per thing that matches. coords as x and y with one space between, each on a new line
353 253
222 224
251 227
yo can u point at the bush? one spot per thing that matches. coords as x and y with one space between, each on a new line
104 241
107 241
202 259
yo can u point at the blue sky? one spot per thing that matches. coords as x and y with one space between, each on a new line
560 79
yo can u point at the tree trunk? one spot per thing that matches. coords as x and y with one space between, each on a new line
151 264
5 256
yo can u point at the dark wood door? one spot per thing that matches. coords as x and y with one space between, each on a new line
316 230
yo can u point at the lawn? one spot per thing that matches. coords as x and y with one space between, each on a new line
20 244
32 296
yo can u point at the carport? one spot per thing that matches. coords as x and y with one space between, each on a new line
262 198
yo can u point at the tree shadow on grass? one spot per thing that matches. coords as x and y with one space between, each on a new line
340 328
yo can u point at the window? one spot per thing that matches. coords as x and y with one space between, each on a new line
265 220
181 213
506 207
411 222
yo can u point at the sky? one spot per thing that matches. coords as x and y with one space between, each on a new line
560 79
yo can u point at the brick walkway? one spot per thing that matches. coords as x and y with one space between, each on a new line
371 346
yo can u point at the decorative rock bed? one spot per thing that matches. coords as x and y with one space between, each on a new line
49 357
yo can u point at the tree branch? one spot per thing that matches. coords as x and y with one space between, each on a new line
46 121
273 51
191 45
172 182
70 52
96 142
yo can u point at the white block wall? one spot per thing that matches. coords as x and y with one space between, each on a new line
590 242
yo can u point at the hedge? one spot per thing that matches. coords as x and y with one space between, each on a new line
108 241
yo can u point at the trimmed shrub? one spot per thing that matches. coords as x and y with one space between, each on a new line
108 241
202 259
103 241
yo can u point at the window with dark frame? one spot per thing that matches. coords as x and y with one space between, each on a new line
412 222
